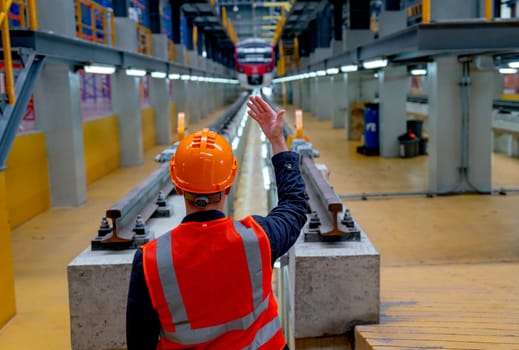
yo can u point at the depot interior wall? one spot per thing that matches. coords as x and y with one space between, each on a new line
102 147
148 128
27 178
7 301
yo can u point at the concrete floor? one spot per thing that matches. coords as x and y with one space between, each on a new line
416 236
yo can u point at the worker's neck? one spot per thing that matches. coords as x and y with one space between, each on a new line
191 208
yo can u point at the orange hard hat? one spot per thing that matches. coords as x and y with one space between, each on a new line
203 163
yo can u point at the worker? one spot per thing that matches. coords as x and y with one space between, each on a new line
206 284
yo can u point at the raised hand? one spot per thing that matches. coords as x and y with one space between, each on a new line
270 121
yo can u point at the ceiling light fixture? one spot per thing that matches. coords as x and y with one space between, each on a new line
98 69
507 70
349 68
135 72
159 75
419 71
374 64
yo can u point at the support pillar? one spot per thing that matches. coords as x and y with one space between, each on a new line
57 102
340 100
159 101
126 105
7 302
325 101
459 152
394 84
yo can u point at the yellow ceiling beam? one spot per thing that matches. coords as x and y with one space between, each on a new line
268 18
284 4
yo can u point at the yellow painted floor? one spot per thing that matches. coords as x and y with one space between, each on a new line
441 257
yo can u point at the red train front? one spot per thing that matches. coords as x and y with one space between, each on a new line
254 63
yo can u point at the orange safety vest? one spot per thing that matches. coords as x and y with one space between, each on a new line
210 283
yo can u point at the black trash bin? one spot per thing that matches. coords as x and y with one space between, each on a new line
422 146
416 127
408 148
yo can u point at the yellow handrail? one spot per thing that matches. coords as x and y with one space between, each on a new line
6 43
100 36
145 42
171 50
426 11
489 10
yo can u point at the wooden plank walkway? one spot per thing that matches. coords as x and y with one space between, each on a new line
466 306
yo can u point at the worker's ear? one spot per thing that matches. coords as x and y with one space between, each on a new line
227 191
179 191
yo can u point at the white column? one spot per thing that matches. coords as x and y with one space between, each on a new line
126 105
58 108
159 101
394 84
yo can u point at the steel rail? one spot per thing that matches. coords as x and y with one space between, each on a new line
325 222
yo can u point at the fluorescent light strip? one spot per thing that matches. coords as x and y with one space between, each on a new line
174 76
159 75
507 70
99 69
349 68
513 64
135 72
332 71
375 64
418 71
320 73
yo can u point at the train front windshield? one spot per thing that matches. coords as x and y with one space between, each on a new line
254 54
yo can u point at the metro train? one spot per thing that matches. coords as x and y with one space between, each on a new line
254 62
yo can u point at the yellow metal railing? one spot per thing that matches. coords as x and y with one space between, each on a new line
171 50
94 22
6 44
26 8
144 40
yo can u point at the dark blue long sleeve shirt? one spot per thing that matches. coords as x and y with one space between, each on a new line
282 226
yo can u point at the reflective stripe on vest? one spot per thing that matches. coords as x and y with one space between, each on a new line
184 333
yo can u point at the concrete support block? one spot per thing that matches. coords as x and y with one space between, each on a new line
391 22
356 37
159 101
58 107
394 84
57 16
126 105
337 47
179 53
333 287
98 289
320 54
449 10
160 46
126 34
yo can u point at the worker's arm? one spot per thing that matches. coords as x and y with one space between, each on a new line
284 223
142 320
270 121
